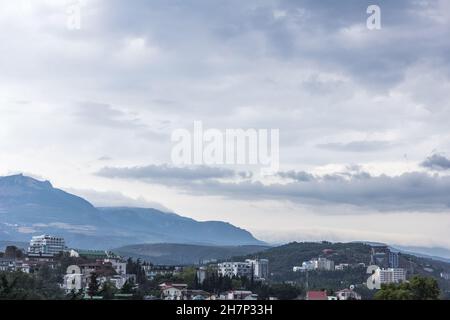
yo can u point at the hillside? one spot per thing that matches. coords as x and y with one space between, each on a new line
183 254
283 258
30 207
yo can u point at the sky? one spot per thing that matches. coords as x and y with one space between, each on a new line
363 115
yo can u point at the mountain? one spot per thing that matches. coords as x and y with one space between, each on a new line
184 254
29 207
436 253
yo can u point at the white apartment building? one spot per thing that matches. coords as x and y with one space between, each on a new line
323 264
315 264
391 275
260 267
384 276
234 269
46 245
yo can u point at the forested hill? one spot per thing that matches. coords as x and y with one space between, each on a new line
283 258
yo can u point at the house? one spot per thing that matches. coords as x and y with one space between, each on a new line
239 295
89 254
11 265
348 294
172 291
342 266
117 264
195 295
316 295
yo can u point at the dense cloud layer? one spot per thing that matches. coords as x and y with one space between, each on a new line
415 191
80 107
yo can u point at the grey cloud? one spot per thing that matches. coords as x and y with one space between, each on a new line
436 162
296 175
408 192
413 191
166 173
357 146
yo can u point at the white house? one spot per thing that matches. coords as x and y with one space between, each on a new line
348 294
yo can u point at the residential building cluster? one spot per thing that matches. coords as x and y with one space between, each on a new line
256 268
345 294
44 250
315 264
111 269
180 291
384 268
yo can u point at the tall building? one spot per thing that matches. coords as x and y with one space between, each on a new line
46 245
260 267
393 259
379 256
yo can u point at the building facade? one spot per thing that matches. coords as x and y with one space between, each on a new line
46 245
381 276
260 268
234 269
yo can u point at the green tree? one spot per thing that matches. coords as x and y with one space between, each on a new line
108 290
93 288
128 287
424 288
418 288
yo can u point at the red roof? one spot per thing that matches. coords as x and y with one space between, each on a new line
316 295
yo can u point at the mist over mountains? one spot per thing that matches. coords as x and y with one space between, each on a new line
29 207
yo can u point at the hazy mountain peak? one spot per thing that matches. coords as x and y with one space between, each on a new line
19 180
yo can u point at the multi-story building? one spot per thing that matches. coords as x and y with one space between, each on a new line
306 266
323 264
392 275
381 276
260 267
201 274
393 259
234 269
46 245
379 256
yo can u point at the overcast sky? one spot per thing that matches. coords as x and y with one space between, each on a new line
363 114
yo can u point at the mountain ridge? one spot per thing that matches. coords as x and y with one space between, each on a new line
29 207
